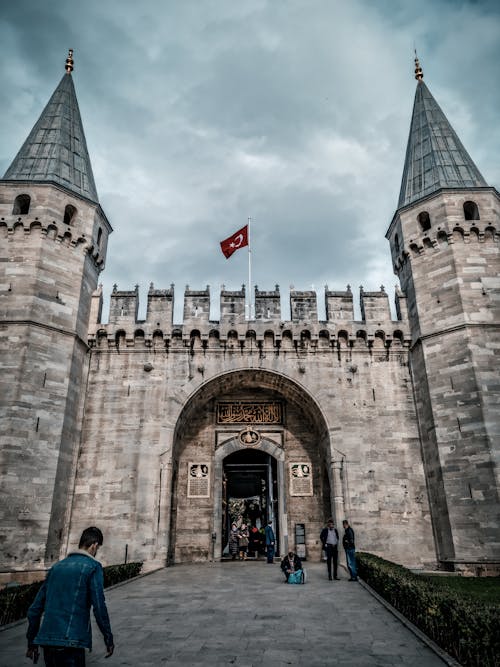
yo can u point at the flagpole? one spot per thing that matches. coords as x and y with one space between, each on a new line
249 273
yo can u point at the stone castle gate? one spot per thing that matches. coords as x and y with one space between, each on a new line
249 411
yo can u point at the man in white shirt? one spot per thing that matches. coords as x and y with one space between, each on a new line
330 540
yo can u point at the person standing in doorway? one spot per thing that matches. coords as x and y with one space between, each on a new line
350 550
329 537
270 542
254 542
243 541
234 541
71 587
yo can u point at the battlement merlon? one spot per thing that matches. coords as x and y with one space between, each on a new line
124 305
375 306
303 306
268 305
196 306
339 306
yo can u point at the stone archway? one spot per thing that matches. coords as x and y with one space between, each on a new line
298 439
231 446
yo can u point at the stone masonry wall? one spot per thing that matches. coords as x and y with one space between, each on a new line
48 272
451 275
149 409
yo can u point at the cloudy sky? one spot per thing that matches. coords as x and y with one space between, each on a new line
201 113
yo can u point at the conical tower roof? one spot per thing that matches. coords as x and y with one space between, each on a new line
55 149
435 156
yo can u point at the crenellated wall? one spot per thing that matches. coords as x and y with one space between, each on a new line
340 328
348 403
128 424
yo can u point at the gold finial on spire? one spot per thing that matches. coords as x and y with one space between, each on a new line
419 75
69 62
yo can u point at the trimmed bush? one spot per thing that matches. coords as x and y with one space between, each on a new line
16 600
463 626
114 574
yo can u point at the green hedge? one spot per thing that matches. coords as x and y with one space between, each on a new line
114 574
464 627
15 600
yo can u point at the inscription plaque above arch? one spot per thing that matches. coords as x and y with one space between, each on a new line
264 412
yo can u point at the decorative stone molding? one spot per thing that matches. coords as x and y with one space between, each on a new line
249 437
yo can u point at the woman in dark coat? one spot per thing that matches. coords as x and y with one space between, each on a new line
255 540
243 541
234 541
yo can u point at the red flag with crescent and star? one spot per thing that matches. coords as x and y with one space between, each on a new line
233 243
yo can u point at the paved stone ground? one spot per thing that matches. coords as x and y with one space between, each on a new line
243 614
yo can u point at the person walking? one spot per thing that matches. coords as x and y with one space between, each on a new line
71 587
329 537
350 550
270 542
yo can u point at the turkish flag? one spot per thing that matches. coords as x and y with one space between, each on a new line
238 240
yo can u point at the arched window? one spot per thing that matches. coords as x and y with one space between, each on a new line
424 221
214 338
442 237
396 243
287 340
158 338
397 338
21 205
232 338
269 339
471 211
102 336
120 338
343 338
69 214
99 237
379 339
195 340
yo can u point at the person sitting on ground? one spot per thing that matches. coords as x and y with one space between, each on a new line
290 563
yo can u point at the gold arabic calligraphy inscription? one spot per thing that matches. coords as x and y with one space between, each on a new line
250 413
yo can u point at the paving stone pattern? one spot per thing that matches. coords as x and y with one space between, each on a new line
243 614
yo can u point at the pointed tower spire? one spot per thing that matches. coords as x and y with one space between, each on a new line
55 149
435 156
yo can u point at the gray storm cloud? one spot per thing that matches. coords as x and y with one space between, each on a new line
198 115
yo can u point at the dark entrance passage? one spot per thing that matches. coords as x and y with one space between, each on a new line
249 493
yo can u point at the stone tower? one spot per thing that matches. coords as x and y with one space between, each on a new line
444 242
53 237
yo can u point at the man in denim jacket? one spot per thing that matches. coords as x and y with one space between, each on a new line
72 586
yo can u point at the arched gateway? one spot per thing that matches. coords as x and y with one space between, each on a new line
251 444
